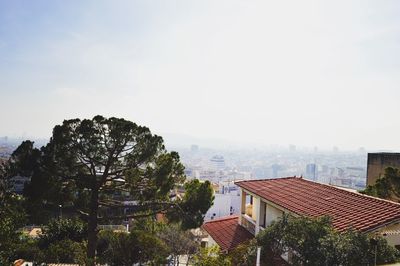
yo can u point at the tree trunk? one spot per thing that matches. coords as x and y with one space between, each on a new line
92 226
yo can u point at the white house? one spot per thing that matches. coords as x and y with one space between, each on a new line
263 201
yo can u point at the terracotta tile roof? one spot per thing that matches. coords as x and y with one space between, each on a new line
227 232
347 209
62 264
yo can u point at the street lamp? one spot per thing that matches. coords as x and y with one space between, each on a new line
60 216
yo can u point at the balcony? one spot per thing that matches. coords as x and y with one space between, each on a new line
249 223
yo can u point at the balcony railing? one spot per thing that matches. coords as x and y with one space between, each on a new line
249 224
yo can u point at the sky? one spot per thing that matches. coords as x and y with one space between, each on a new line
310 73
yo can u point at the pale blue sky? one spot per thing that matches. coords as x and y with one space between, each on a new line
272 72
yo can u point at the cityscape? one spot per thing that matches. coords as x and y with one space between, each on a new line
346 169
199 133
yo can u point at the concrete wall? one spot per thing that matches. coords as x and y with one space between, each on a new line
377 162
256 207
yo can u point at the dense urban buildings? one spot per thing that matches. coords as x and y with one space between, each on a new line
224 167
344 168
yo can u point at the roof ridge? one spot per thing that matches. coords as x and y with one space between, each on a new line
267 179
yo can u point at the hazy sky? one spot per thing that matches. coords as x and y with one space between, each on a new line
274 72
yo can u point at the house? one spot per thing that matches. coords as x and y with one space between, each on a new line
263 201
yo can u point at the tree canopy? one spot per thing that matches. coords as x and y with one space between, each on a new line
139 246
12 217
386 187
107 169
315 242
198 198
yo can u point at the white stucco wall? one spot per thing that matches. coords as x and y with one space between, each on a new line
211 242
272 214
222 206
391 233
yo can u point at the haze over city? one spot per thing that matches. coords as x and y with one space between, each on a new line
202 133
306 73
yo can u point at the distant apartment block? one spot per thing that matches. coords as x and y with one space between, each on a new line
378 162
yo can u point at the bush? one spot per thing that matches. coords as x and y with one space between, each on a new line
120 248
64 251
211 256
58 230
28 249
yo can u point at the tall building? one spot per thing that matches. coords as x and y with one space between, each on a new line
292 148
378 162
218 162
275 170
194 148
311 171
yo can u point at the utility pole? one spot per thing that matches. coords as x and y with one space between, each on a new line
258 256
374 242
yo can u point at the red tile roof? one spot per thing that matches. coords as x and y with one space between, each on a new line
227 232
347 209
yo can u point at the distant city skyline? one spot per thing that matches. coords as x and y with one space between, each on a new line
262 72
